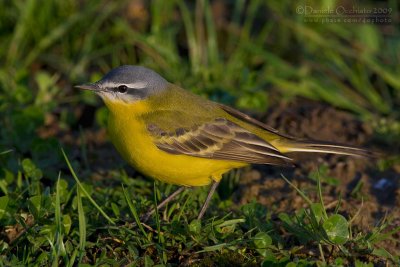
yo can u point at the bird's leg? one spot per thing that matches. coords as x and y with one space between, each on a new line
163 203
207 202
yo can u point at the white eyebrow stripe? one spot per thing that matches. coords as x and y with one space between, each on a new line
130 85
137 85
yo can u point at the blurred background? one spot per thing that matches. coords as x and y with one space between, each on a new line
297 67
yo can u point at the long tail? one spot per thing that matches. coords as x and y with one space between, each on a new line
286 144
324 147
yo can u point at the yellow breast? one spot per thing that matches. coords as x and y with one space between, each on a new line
130 136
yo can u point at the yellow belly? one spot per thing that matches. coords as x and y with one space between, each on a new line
130 137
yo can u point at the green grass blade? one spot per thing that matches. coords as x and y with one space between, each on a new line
6 151
59 234
194 52
319 189
309 202
212 46
82 224
57 212
134 211
84 191
156 212
22 26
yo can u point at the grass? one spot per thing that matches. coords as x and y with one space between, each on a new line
77 228
58 207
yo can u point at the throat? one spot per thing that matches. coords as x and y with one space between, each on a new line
120 109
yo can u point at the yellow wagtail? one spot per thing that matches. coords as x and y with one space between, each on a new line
177 137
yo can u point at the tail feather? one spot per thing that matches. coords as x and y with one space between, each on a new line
326 147
286 144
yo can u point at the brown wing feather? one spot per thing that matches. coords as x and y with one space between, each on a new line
218 139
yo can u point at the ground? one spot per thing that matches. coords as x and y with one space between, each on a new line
367 195
373 194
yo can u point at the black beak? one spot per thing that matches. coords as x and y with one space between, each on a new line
90 86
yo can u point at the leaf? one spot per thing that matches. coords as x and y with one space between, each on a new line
381 252
262 241
215 247
269 258
359 263
31 170
63 190
28 166
318 211
337 229
67 222
35 205
3 205
88 188
232 222
195 226
284 217
115 209
37 174
148 261
8 176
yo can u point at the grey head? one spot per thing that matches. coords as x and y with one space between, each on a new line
128 83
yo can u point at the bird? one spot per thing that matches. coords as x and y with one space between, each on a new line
178 137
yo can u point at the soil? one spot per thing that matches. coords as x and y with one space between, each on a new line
374 195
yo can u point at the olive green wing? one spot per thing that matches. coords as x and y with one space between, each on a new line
182 133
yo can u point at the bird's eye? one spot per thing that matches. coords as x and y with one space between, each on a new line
122 89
